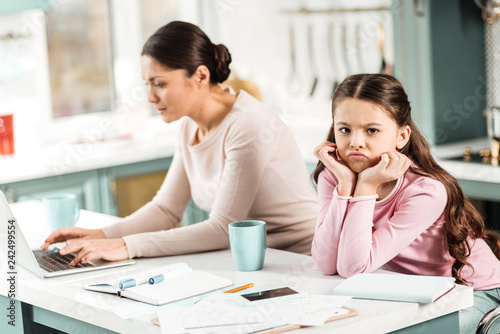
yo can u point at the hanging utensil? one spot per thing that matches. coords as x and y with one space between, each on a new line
381 41
344 49
331 56
357 41
312 62
294 80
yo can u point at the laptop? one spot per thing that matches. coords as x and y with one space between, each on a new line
47 263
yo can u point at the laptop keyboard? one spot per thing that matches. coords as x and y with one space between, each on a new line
51 260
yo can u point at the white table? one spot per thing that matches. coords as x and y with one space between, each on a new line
63 304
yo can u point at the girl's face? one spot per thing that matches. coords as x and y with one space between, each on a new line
363 131
172 92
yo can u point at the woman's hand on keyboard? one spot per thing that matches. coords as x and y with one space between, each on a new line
106 249
65 234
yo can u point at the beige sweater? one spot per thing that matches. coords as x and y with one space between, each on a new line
249 168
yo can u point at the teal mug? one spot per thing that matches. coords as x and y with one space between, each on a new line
248 244
62 210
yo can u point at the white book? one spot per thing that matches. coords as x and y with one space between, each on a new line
396 287
170 283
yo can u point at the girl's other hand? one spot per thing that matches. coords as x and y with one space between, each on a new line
391 167
328 153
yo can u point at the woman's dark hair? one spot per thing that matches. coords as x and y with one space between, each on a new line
182 45
462 221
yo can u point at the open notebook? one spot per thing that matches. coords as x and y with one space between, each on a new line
162 285
396 287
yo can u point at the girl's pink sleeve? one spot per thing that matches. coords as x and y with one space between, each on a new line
332 211
364 249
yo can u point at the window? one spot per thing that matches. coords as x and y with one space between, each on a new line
80 57
78 64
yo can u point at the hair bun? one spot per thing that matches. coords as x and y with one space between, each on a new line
222 61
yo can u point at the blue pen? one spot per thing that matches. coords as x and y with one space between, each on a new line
127 283
157 276
133 281
173 271
156 279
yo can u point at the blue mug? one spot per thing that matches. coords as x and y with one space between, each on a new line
248 244
62 210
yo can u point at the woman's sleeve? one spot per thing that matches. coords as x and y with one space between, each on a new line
164 211
363 249
246 160
332 211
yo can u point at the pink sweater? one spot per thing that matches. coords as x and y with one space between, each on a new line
249 168
403 232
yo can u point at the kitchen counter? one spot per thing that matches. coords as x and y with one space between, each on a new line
469 171
71 158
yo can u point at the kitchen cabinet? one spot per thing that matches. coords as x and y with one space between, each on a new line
97 190
440 59
85 185
9 6
109 178
486 198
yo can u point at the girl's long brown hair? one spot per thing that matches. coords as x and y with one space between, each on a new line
462 221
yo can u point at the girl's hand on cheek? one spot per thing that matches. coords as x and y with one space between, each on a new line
328 153
391 167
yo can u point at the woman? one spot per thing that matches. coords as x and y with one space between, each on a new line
234 157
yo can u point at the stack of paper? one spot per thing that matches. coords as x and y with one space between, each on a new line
231 313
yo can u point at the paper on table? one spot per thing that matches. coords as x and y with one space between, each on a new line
127 309
131 309
226 312
313 310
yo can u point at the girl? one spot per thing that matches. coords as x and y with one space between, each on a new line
384 201
234 157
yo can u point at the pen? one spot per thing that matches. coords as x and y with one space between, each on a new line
138 279
156 279
130 282
154 276
174 271
243 287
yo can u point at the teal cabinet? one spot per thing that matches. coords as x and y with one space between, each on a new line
96 190
109 177
193 214
84 185
440 60
11 6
